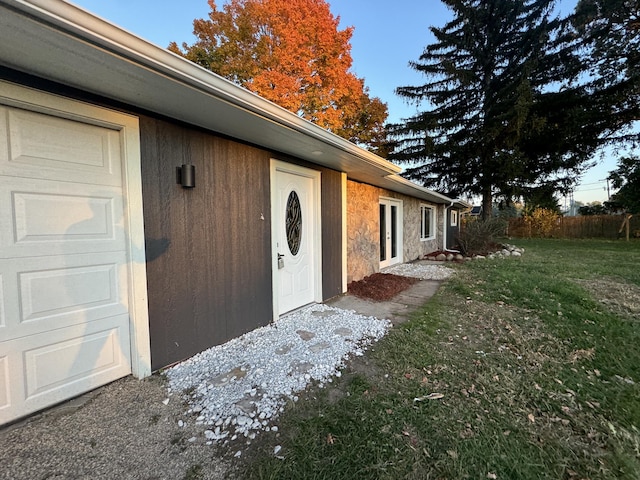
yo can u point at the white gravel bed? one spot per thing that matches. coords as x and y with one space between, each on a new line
238 389
421 271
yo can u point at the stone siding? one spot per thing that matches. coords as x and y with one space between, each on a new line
363 229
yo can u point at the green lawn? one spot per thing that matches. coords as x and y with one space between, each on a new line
522 368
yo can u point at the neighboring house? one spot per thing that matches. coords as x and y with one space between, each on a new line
476 211
150 209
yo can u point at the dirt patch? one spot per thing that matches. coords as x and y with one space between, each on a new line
125 430
618 297
380 286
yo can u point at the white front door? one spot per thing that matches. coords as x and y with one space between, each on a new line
390 232
296 236
64 258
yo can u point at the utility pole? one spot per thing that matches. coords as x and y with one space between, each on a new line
608 190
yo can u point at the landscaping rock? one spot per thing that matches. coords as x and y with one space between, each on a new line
441 257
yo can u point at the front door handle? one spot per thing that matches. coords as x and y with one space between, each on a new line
280 261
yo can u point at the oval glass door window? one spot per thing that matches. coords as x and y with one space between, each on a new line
293 223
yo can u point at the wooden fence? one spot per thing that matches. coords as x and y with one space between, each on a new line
592 226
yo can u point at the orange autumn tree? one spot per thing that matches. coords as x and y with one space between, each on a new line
292 53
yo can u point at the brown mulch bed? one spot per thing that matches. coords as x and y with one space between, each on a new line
380 286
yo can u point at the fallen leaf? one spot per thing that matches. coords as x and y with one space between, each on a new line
330 439
506 433
531 418
582 354
491 475
452 454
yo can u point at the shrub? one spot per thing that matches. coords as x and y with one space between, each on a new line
478 237
542 222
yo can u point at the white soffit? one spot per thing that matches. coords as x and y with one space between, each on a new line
399 184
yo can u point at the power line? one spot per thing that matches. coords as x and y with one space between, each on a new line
591 189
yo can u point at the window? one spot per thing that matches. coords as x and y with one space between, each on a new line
427 222
454 218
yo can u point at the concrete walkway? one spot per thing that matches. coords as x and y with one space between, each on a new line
397 310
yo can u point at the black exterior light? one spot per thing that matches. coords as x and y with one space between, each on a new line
186 176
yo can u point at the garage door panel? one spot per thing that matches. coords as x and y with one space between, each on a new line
76 355
48 293
38 146
11 384
49 368
56 292
4 383
49 218
40 217
3 309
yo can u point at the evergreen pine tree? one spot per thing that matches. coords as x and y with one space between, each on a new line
609 35
493 120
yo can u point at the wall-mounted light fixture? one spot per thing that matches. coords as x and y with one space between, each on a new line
186 176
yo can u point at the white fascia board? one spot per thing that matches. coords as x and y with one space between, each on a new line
88 28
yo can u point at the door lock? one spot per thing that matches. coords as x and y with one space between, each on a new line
280 261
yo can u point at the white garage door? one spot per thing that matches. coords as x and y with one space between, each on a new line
64 308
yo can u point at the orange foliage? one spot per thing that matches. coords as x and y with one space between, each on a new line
292 53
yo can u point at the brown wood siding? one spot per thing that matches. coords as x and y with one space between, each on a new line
213 280
331 193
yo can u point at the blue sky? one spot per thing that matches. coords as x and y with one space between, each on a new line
386 37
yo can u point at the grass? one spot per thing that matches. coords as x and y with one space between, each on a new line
536 363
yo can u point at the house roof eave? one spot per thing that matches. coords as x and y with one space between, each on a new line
64 43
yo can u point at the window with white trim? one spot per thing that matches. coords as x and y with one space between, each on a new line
454 218
427 222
